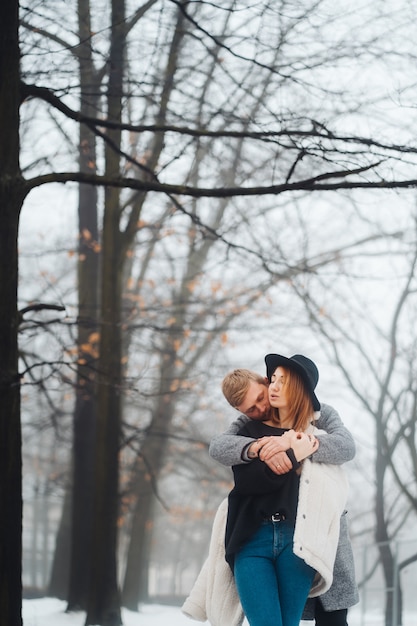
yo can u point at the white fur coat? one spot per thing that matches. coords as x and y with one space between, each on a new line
214 596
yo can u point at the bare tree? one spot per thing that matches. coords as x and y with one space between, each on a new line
85 410
11 200
377 365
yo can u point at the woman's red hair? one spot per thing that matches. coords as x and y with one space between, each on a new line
300 403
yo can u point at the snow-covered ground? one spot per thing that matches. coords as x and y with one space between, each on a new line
51 612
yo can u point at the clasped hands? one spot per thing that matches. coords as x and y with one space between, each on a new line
272 450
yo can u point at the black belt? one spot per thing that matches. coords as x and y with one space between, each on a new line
276 517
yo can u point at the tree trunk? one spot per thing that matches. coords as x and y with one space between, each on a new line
85 412
135 584
58 579
11 199
135 587
381 531
104 598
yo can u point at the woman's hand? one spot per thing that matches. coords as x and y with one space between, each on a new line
272 450
303 445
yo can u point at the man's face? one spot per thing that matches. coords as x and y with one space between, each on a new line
256 402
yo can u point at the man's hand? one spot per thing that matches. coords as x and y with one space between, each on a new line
269 446
265 447
271 450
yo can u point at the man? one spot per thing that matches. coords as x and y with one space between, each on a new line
247 392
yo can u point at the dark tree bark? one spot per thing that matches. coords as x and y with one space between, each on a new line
382 537
135 583
12 194
104 599
76 522
85 410
135 586
58 582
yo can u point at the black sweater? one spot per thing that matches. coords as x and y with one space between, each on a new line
257 493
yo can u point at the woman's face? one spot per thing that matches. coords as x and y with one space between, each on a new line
276 389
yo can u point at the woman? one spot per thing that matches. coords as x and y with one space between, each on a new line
273 566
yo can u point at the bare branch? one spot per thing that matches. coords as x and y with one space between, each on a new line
317 131
310 184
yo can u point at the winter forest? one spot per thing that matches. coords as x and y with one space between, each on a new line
185 186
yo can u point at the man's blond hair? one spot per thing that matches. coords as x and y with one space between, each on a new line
235 385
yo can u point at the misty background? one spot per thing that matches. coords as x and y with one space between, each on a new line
135 302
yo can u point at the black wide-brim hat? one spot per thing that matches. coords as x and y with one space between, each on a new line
300 364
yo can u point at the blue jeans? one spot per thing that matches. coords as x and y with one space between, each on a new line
273 583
